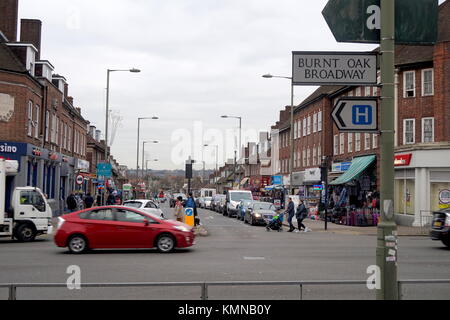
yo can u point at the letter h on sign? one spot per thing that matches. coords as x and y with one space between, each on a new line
362 114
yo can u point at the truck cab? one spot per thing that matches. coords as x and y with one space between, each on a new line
29 215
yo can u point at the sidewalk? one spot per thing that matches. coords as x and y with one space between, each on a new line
319 226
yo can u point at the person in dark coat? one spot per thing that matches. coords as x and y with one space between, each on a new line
71 203
301 215
111 199
88 201
291 212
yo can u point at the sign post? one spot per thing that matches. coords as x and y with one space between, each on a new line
189 216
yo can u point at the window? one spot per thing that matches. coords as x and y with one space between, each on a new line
375 91
304 127
57 131
151 205
409 88
408 131
341 144
357 142
304 158
315 123
36 123
374 141
350 93
427 130
47 124
104 215
319 121
65 136
427 82
295 130
129 216
309 125
336 145
30 119
366 141
319 155
367 91
299 128
350 142
314 156
308 157
69 139
32 198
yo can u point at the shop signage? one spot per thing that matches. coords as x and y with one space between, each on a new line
444 196
53 156
82 165
13 148
402 160
334 68
340 167
312 174
104 170
277 180
298 178
318 187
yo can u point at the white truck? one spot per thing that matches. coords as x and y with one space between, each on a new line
30 214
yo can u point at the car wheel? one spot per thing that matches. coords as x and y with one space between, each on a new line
165 243
77 244
446 241
252 223
25 233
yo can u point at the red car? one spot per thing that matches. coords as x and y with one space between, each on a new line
120 227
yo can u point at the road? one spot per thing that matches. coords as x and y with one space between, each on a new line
233 251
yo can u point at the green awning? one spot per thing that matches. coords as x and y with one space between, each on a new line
358 166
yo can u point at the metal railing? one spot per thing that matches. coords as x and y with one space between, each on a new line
426 219
204 286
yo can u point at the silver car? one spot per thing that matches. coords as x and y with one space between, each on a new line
145 205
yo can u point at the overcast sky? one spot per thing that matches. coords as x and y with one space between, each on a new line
200 59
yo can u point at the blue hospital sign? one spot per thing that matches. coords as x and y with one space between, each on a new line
356 114
362 114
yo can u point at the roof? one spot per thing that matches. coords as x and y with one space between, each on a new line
9 61
319 93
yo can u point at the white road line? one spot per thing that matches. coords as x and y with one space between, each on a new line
254 258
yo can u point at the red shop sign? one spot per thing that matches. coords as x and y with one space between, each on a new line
402 160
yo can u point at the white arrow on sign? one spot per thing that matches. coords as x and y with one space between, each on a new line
356 114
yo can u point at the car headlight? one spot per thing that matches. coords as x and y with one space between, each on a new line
182 228
60 223
257 215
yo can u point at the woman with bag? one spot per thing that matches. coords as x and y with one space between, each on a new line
179 210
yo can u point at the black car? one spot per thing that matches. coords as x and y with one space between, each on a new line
440 227
259 213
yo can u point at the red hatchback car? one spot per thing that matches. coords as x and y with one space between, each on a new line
120 227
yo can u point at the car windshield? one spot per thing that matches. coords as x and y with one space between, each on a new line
132 204
208 199
238 196
263 206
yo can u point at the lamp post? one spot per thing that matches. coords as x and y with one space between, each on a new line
291 166
143 151
107 103
137 155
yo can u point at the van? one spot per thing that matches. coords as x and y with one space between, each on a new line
234 197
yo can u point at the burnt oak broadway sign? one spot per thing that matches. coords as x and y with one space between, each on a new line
329 68
360 21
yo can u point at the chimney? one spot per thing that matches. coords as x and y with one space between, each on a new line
92 131
9 13
66 90
30 32
70 99
97 135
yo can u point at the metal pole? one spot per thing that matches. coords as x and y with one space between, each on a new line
291 167
387 229
143 156
240 136
137 154
107 116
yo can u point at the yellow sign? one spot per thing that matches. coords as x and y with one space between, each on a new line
189 216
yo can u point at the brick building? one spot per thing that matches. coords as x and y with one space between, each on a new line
40 127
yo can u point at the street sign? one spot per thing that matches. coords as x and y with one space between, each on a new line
189 216
80 179
104 170
360 21
357 114
334 68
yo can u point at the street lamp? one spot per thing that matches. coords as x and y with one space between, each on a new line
137 153
146 164
133 70
143 150
291 167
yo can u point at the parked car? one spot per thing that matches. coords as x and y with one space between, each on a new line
259 213
215 204
120 227
207 202
200 202
233 199
146 205
440 227
242 207
222 204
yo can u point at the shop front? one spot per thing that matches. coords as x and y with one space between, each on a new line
422 185
312 187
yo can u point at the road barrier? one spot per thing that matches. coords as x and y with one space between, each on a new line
205 285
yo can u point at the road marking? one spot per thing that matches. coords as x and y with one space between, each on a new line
254 258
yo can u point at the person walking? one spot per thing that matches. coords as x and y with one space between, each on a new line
111 200
88 201
190 203
71 203
301 215
291 212
178 209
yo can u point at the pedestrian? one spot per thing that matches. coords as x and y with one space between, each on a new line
178 209
71 203
98 202
111 199
301 215
88 201
291 212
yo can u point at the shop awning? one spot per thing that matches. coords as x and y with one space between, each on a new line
358 166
